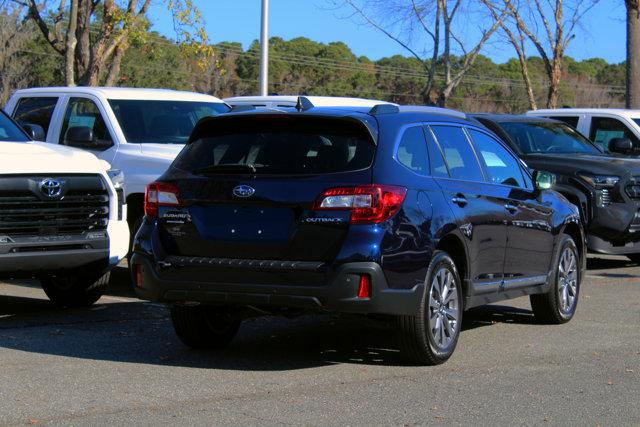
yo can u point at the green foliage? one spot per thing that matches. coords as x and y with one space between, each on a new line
303 66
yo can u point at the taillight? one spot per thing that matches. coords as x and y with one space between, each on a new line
367 203
160 194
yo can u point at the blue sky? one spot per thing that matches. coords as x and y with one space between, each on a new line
602 33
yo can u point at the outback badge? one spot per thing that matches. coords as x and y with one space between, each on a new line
243 191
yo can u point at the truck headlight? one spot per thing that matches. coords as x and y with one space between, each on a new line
117 178
600 181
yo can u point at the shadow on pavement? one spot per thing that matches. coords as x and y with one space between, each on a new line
139 332
602 267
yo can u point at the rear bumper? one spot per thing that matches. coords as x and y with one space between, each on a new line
339 293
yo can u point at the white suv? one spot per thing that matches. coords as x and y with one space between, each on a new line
600 125
138 131
62 217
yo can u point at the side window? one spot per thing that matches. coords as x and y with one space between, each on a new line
458 154
412 150
570 120
501 166
436 161
604 129
37 111
84 113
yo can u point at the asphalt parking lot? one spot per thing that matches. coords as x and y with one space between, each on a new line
119 362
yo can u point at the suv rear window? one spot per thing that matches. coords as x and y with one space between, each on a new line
278 145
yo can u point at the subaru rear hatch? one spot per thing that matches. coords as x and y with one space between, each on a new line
267 187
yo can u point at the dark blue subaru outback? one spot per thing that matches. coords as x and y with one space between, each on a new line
414 212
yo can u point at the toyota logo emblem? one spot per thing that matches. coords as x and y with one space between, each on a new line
243 191
51 187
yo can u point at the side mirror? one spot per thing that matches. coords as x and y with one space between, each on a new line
83 137
621 145
79 136
544 180
36 132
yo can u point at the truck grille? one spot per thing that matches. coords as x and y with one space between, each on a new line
25 211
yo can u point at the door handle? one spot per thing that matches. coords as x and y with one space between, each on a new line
511 207
459 200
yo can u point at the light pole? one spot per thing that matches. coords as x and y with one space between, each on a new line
264 49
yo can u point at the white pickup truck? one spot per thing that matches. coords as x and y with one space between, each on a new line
600 125
138 131
62 216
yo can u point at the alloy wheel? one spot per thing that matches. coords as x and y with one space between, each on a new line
443 308
567 281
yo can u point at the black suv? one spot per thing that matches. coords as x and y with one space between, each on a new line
414 212
605 187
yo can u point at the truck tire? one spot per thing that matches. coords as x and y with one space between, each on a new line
204 327
74 290
559 304
430 336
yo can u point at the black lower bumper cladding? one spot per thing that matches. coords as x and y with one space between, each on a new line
196 279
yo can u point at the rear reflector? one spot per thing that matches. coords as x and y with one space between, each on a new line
367 203
364 287
160 194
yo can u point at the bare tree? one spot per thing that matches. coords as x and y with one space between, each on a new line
546 26
517 39
436 21
15 36
633 53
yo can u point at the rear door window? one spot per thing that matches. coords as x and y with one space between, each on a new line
36 110
278 145
412 150
460 157
604 129
436 161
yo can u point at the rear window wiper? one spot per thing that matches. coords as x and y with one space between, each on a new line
215 169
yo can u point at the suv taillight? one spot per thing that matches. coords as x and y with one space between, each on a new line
367 203
160 194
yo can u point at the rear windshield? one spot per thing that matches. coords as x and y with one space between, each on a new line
161 122
279 145
548 137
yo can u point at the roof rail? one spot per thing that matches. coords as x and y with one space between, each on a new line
304 104
432 110
384 109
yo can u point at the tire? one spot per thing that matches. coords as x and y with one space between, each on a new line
424 338
559 304
635 258
75 290
203 327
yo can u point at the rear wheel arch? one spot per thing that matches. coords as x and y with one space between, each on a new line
454 246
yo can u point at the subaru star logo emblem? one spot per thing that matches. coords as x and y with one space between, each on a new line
51 187
243 191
